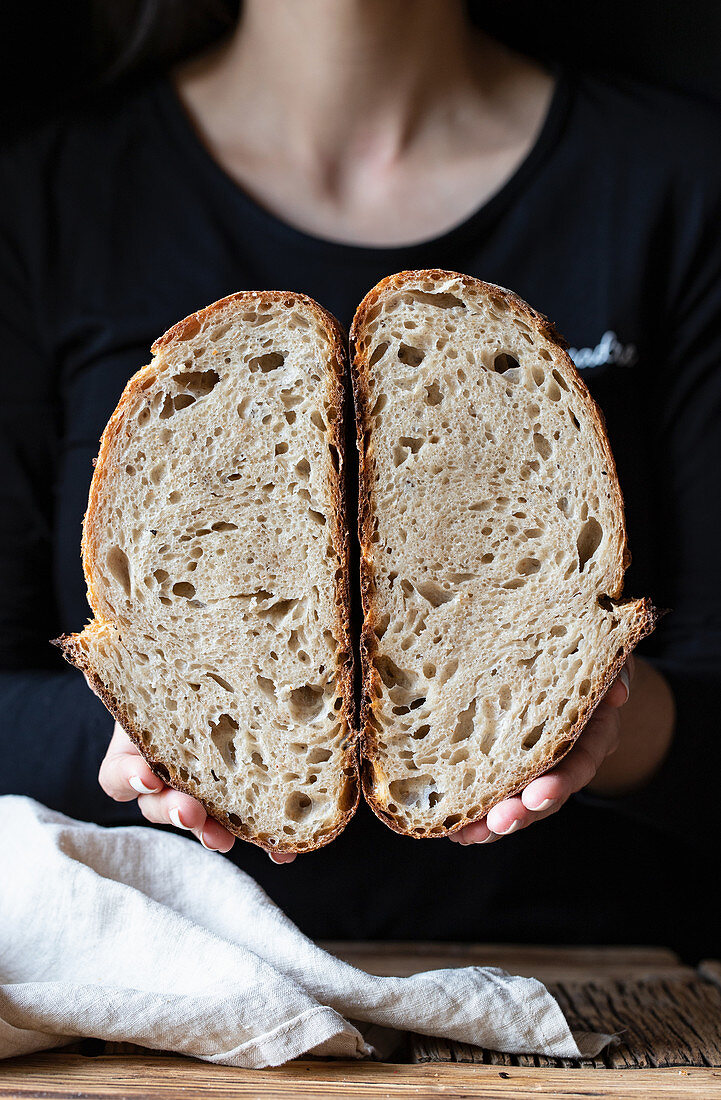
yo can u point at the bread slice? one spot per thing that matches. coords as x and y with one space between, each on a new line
215 549
493 549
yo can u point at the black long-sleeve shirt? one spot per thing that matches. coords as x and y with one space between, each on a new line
116 222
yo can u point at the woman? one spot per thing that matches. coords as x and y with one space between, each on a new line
323 145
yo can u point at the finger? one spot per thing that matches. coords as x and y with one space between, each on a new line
214 837
126 775
508 817
123 773
620 689
172 807
575 771
282 857
475 833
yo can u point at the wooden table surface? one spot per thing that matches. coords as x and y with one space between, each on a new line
691 1043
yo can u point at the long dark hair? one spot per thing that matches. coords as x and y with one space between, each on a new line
135 37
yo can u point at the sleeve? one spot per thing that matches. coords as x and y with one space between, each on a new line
53 731
685 468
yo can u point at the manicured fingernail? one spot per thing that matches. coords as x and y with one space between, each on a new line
511 828
207 846
487 838
626 681
137 784
174 816
545 805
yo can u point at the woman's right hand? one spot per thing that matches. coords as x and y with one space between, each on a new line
124 775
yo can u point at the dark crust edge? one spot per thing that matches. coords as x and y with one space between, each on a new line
72 649
646 614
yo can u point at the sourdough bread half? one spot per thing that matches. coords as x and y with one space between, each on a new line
493 549
215 549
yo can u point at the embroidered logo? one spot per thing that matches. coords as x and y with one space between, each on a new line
609 349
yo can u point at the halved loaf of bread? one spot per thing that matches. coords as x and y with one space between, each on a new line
493 549
215 549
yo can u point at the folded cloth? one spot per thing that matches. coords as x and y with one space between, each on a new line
137 935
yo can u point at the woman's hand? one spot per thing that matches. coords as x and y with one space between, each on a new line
546 795
124 775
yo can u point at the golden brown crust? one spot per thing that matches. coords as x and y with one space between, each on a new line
646 614
71 648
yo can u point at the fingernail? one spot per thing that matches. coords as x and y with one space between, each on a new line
511 828
545 805
174 816
489 837
626 681
137 784
207 846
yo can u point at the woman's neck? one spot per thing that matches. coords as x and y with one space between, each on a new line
373 121
330 78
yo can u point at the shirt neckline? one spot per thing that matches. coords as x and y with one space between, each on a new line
182 133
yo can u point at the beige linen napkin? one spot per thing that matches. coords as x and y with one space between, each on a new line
132 934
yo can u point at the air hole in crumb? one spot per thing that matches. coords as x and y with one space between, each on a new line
541 445
223 683
298 806
588 541
272 360
378 353
306 703
197 382
382 625
440 300
222 734
171 405
319 756
433 592
434 394
380 404
449 669
527 566
184 589
464 724
410 356
119 567
505 362
414 792
533 736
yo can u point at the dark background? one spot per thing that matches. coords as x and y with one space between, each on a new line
52 51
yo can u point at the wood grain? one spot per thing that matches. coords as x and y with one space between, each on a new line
60 1076
547 963
659 1022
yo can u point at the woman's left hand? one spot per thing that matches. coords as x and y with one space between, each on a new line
546 794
